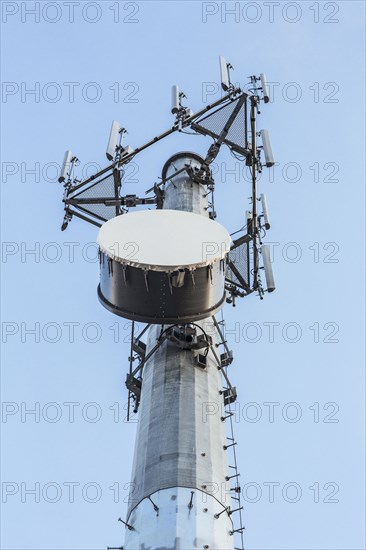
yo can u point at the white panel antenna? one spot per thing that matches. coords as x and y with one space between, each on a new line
265 91
66 166
175 100
113 141
268 155
268 268
267 223
224 70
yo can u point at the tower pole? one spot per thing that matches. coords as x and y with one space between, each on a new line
178 272
180 498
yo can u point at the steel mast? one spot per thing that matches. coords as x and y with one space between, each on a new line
179 489
172 269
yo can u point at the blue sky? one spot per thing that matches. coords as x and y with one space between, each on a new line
129 57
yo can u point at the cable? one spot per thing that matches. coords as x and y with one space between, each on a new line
263 229
238 231
239 157
189 133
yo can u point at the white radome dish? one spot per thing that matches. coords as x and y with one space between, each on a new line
162 240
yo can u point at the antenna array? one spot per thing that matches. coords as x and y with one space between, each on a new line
230 121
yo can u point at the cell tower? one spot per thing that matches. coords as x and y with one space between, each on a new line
172 269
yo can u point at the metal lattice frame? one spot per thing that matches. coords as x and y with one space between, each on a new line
228 121
214 123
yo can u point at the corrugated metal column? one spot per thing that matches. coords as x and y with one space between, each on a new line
180 465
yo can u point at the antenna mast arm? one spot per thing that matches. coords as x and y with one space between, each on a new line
175 128
253 127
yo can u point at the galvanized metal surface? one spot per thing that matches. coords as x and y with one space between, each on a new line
181 193
176 526
180 437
